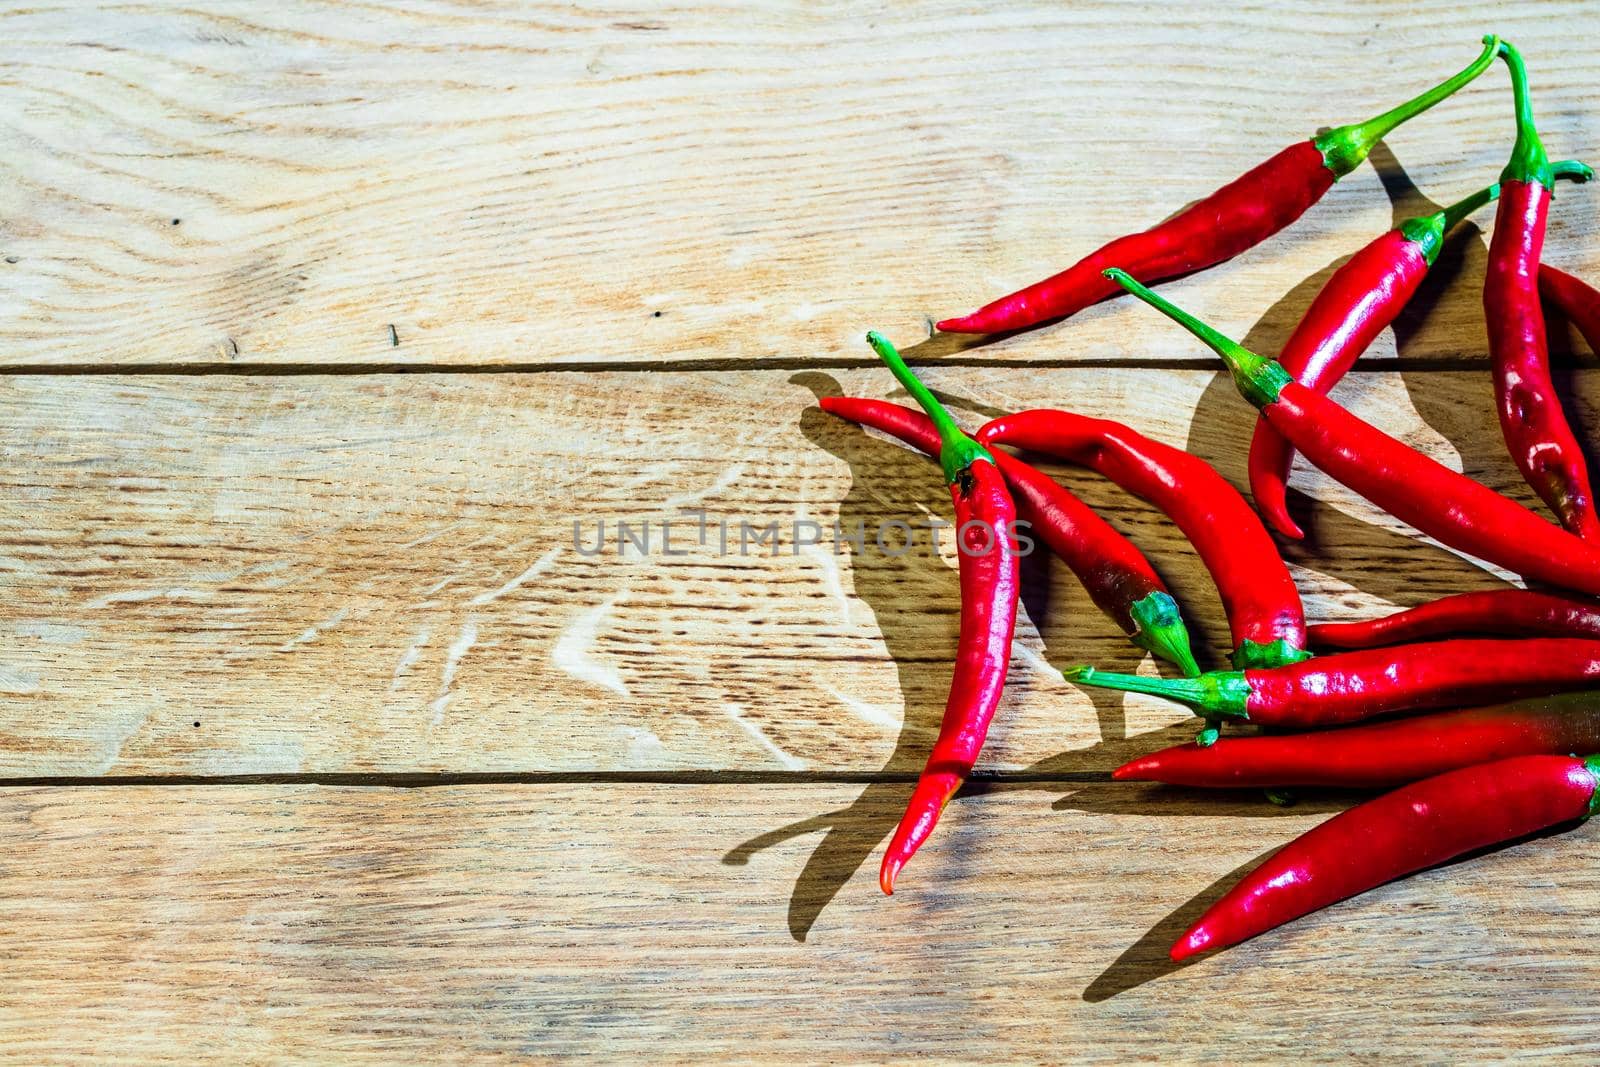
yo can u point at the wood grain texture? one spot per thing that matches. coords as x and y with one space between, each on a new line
226 183
701 922
349 574
375 573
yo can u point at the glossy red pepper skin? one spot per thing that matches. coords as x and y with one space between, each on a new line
1236 217
1509 612
1380 755
1575 299
1351 686
1259 596
1442 503
1535 428
1117 576
986 558
1358 303
1231 220
1415 827
1361 299
989 587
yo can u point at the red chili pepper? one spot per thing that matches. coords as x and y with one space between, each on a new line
1414 827
1531 420
1358 303
1442 503
1259 596
1512 612
1236 217
1575 299
987 564
1380 755
1350 686
1118 577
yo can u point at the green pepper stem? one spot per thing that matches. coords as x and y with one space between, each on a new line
1344 148
1162 632
1253 655
1592 765
1216 694
1462 208
1572 170
957 451
1258 378
1428 230
1528 162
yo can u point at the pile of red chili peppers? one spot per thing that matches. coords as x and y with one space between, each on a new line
1470 773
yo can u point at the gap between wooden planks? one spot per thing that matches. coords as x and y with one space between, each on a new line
376 575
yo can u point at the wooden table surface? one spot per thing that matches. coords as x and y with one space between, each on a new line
325 326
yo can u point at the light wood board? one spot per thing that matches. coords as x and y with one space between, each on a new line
223 183
276 512
687 922
337 574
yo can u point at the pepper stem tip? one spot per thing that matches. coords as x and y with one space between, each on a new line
1162 632
1572 170
1344 148
1217 694
1258 378
957 451
1529 162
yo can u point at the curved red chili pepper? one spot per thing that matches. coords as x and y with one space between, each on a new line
1512 612
1442 503
1117 576
1574 298
1380 755
987 564
1236 217
1358 303
1350 686
1415 827
1259 596
1531 420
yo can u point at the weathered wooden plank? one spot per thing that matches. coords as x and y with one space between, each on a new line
267 575
326 183
689 922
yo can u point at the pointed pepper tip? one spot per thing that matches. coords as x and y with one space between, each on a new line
887 874
1130 771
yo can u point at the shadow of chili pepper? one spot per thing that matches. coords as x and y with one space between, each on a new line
890 482
1135 798
916 608
1146 959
